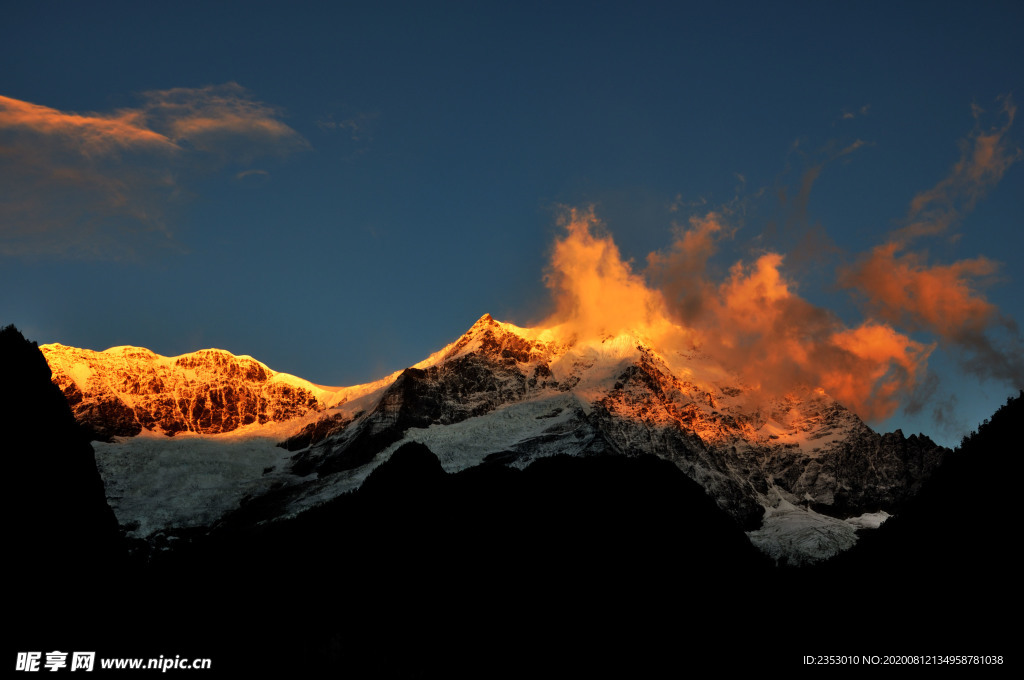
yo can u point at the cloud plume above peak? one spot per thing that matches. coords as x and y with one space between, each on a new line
597 292
752 320
102 185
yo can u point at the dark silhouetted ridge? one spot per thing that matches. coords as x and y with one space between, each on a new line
62 541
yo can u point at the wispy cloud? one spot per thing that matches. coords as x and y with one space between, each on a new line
900 285
102 185
262 174
220 120
985 156
803 239
856 113
358 126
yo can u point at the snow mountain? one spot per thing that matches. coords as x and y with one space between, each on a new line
800 473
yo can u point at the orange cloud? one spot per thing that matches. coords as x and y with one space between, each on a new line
221 120
943 299
88 134
752 295
596 292
759 327
877 371
102 185
752 322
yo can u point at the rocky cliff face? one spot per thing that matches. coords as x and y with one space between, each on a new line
502 393
123 390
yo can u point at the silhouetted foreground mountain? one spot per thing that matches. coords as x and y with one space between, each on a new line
423 569
942 570
61 540
958 518
57 509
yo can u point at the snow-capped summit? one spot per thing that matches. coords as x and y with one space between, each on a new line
510 394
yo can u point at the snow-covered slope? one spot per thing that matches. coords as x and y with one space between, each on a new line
499 394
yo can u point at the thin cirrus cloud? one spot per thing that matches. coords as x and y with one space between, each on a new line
862 111
102 185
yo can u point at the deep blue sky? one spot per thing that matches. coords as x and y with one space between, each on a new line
380 176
